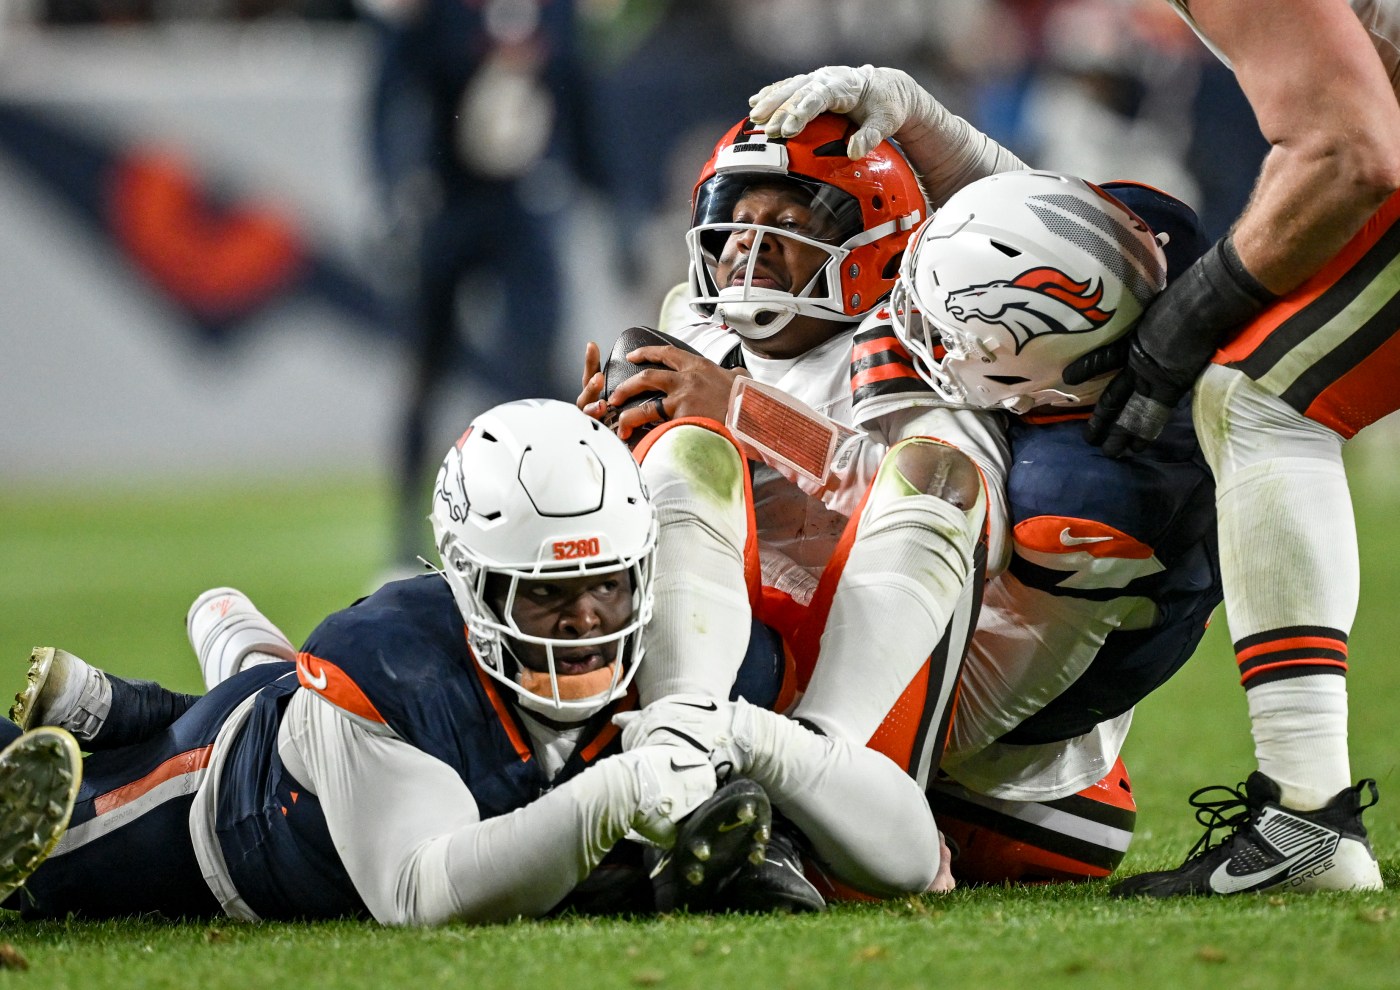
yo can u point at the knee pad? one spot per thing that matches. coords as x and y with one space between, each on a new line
705 460
1080 837
922 466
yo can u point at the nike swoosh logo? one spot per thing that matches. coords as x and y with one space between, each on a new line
315 681
1074 541
661 864
1222 881
683 767
711 707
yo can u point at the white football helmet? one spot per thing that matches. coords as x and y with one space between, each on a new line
1016 276
537 490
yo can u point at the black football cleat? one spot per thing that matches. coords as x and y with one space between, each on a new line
1270 847
776 885
732 827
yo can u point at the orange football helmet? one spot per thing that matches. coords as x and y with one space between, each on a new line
868 208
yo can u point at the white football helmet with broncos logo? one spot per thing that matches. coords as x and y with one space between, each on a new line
1016 276
536 491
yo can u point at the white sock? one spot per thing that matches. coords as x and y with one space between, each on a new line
906 574
1300 737
699 632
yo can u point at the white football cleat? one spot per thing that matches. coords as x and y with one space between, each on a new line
63 690
39 777
228 634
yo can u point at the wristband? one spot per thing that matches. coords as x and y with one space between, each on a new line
1185 324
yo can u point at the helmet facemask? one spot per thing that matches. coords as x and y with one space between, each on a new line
759 312
499 643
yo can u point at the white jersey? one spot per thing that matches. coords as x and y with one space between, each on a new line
799 528
1028 646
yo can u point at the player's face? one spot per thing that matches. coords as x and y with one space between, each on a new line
569 609
780 262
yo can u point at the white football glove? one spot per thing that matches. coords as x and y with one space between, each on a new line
671 783
695 722
946 150
880 100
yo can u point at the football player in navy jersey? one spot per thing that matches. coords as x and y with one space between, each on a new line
444 749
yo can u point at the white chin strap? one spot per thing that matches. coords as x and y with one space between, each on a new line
755 314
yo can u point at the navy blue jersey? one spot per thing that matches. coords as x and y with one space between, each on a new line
397 659
1091 526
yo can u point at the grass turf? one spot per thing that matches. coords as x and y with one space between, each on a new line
109 575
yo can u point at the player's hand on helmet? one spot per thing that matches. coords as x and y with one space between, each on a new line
881 100
1135 407
671 782
691 385
711 726
1152 392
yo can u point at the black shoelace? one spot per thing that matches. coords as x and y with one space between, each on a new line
1229 811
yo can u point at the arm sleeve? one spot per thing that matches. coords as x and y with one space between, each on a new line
411 836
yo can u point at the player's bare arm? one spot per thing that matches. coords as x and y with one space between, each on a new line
1325 104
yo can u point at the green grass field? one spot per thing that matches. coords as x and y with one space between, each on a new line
109 574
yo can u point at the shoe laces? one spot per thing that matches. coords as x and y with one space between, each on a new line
1218 808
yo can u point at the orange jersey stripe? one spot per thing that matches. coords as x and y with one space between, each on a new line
1284 664
1362 395
188 762
878 345
1067 534
1294 643
1286 307
522 749
897 733
882 373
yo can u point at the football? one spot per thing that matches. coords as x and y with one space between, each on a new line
617 369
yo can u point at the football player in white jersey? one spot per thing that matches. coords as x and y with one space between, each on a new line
791 245
1286 330
779 314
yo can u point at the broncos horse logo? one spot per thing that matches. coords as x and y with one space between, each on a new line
1040 301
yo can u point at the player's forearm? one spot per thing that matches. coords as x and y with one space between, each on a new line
411 837
524 863
1311 199
1324 102
948 153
